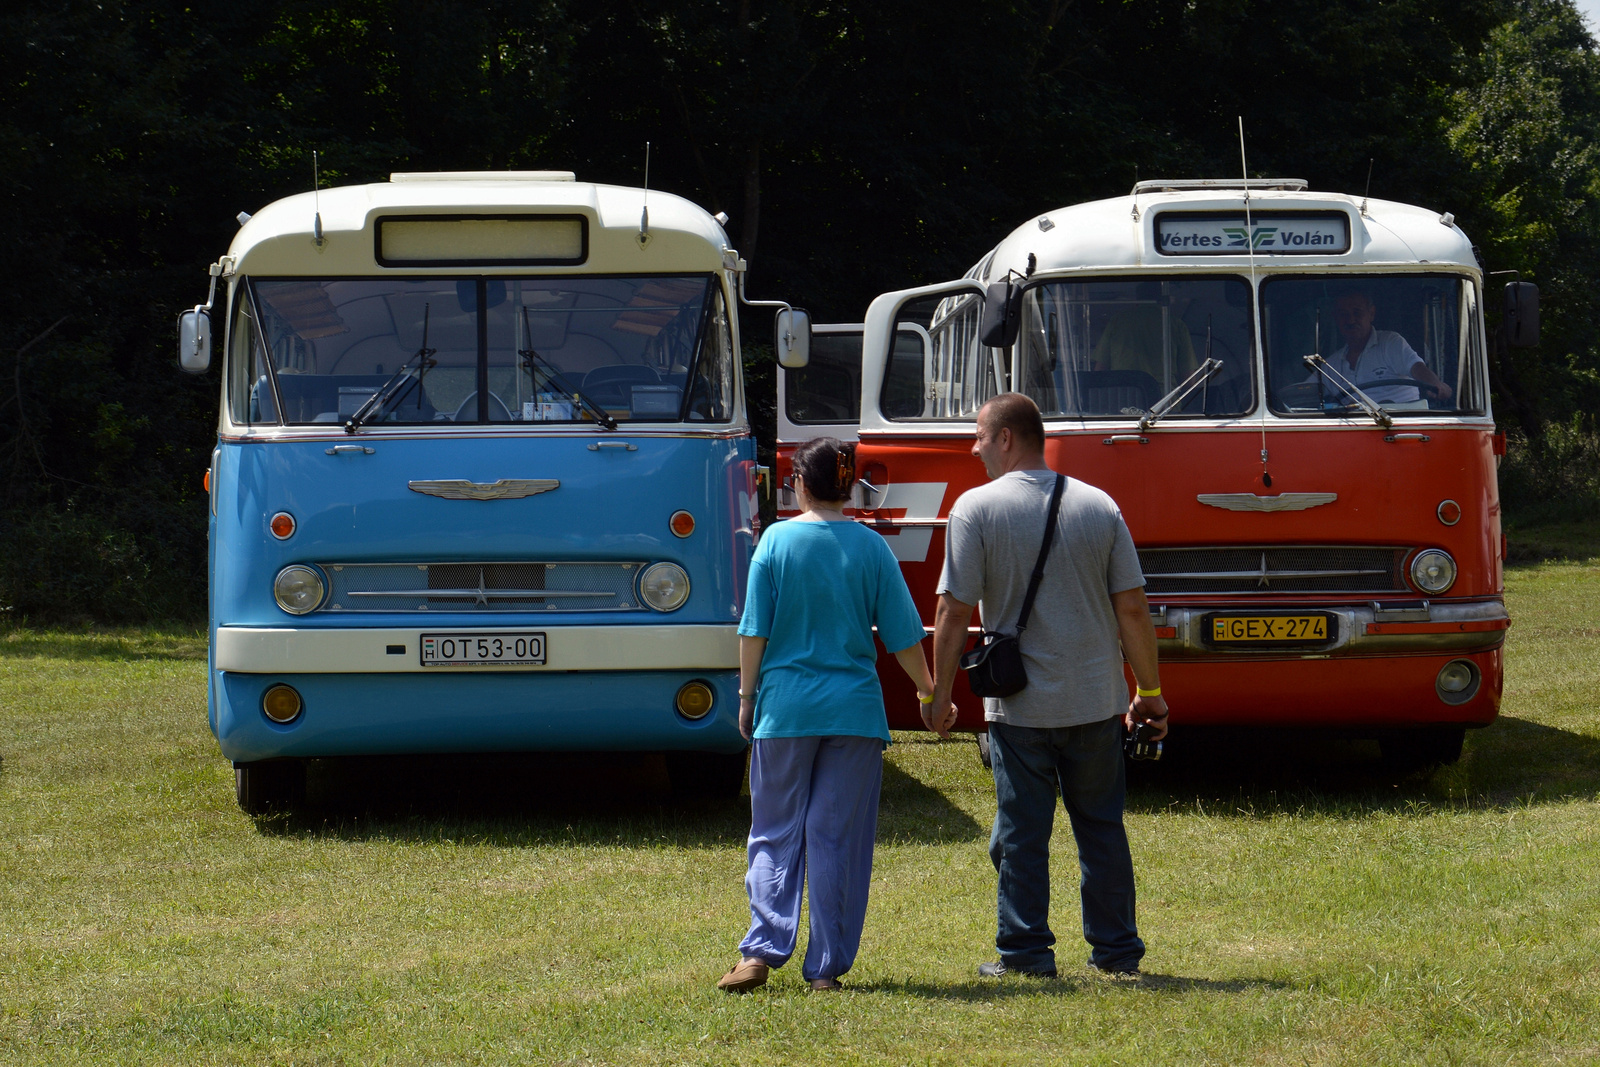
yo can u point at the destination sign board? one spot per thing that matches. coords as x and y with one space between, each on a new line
1265 234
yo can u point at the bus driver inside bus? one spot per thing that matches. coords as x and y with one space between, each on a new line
1371 355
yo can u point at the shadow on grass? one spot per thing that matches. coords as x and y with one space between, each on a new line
981 989
913 812
521 799
130 644
1262 773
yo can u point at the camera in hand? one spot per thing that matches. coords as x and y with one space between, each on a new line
1137 743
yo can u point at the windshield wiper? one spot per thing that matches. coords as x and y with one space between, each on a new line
380 399
1203 374
1363 401
535 363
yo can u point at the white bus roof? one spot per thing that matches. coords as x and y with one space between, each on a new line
280 238
1119 234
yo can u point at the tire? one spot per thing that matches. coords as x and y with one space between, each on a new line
707 775
1422 749
269 786
984 756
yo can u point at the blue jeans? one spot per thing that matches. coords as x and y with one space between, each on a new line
813 820
1085 763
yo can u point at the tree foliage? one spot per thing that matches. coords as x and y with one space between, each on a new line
858 148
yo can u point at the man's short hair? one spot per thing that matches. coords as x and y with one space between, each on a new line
1018 413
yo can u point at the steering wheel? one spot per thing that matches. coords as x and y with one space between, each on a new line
1431 392
498 412
1308 395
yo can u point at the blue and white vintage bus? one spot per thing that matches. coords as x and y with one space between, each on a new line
483 478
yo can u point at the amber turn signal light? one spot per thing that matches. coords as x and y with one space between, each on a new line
695 700
682 523
281 703
282 525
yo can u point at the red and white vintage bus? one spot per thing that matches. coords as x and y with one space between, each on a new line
1321 541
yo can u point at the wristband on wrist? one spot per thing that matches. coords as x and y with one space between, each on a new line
748 696
925 699
1148 692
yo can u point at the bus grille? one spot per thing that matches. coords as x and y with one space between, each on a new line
482 587
1269 569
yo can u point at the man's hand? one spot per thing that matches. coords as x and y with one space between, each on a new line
942 722
1139 649
747 716
1151 710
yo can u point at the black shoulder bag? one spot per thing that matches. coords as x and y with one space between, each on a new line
994 665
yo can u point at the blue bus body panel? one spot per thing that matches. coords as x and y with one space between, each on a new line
613 504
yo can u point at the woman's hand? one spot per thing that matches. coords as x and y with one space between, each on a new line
747 716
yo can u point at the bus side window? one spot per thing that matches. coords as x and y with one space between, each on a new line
957 373
249 387
904 389
712 397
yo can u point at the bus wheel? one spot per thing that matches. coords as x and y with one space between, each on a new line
707 775
1422 749
269 786
983 751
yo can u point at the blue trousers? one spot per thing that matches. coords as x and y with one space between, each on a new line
813 819
1085 764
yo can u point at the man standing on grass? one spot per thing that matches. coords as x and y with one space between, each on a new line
1064 730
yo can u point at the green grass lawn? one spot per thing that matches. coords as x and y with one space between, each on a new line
1299 905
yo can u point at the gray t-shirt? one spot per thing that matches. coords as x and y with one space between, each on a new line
1071 646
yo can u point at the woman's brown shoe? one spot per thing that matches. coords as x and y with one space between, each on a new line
826 985
745 976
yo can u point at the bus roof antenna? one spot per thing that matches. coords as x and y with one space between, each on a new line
316 202
1365 192
644 215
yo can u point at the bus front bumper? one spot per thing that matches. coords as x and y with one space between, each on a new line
397 650
1188 631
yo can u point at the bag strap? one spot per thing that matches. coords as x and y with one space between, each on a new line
1044 553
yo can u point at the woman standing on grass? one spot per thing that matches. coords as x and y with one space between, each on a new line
809 698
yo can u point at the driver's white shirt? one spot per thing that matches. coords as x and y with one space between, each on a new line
1387 355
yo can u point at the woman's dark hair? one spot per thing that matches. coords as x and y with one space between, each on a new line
828 466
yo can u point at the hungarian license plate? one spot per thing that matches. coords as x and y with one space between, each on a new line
1269 629
482 650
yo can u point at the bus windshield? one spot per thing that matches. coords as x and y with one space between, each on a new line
1410 343
499 350
1115 346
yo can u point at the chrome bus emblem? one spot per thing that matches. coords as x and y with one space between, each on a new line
1252 502
504 489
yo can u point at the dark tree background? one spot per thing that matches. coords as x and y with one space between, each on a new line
858 147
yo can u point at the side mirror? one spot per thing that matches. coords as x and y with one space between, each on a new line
1002 314
194 341
1521 321
793 334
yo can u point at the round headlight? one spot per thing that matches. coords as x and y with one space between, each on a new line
1433 571
298 589
664 586
1457 682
